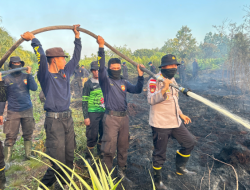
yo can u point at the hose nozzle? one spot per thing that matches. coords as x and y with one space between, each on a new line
184 90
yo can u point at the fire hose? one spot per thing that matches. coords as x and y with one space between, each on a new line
159 78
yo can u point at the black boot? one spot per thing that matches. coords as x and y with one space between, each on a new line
7 156
2 179
181 161
158 180
121 175
88 155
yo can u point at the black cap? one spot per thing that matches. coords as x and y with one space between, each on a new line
149 63
124 63
168 59
16 59
94 65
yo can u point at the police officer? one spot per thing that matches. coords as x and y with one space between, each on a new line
55 83
93 112
125 70
20 109
116 120
165 119
2 164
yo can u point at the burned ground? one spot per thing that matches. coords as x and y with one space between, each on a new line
216 135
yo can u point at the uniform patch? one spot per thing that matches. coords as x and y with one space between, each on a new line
123 87
152 85
25 81
64 76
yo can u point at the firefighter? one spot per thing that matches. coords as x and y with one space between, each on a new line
55 83
116 120
165 120
20 110
125 70
93 112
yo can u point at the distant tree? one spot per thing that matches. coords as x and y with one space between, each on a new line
183 46
67 58
144 52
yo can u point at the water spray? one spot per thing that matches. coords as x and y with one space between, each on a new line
159 78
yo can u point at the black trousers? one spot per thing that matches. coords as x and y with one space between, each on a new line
95 128
2 164
60 145
160 141
115 137
11 129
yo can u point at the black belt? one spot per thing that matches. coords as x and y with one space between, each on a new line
116 113
56 115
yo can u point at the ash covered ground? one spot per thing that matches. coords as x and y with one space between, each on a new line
216 136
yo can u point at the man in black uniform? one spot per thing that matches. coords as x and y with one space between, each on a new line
152 67
93 112
125 70
2 164
116 120
55 83
20 109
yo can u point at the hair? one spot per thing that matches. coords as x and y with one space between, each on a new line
49 59
113 61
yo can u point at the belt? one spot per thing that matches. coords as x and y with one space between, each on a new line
116 113
56 115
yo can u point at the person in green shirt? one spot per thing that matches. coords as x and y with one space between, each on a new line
93 112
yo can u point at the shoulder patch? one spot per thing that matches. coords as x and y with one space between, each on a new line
152 85
25 81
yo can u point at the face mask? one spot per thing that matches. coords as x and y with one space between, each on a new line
168 73
114 74
12 66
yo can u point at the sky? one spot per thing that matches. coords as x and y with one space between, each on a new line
135 23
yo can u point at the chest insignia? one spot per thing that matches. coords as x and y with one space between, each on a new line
25 81
123 87
111 84
11 83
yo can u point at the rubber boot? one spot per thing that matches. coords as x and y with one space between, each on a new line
88 156
7 156
2 179
158 180
181 161
121 175
27 148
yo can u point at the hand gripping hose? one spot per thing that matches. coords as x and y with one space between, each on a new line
18 42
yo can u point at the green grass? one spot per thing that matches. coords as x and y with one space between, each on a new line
14 168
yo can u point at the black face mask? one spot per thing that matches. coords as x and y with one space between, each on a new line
12 66
168 73
114 74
